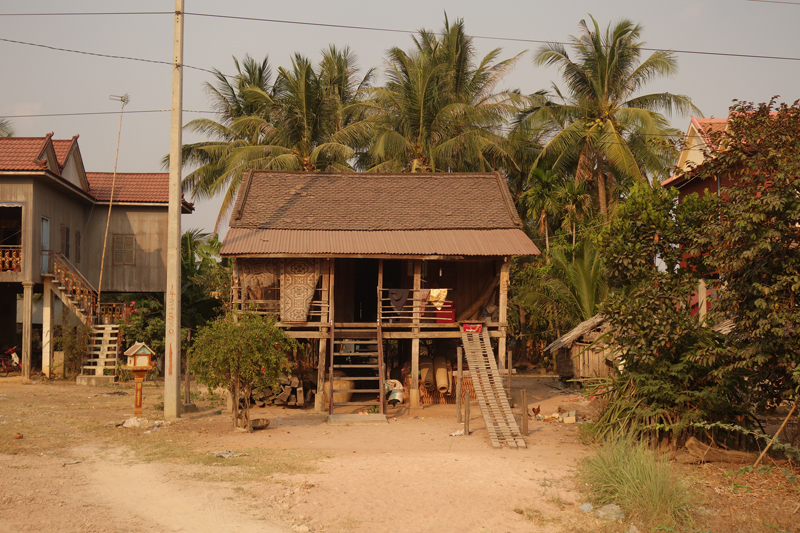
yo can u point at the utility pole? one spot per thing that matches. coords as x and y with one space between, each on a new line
172 298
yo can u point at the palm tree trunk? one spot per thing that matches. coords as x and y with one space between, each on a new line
601 194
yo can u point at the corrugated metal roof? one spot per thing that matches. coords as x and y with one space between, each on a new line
491 242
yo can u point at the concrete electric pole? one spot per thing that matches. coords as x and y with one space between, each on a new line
172 297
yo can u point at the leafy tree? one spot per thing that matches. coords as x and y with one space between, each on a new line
238 352
438 110
751 235
601 129
670 363
540 200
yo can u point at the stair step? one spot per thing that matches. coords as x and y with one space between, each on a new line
376 404
355 354
356 390
357 341
358 378
355 366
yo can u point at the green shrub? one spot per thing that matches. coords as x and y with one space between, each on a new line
626 473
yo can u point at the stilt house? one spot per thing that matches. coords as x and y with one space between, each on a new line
361 265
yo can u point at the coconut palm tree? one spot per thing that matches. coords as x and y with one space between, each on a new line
574 201
6 129
540 200
438 110
602 129
285 125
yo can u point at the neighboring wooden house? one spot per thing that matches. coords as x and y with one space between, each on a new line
52 223
701 136
584 352
401 258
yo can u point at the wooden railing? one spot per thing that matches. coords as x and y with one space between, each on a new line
10 258
415 310
319 304
115 313
74 284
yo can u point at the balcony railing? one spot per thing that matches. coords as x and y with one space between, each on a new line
10 258
417 309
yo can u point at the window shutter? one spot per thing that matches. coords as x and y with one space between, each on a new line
130 250
77 247
119 249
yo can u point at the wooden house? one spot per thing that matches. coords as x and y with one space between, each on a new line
585 351
53 217
355 262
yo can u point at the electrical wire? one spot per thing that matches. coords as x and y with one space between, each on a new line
104 113
378 29
109 56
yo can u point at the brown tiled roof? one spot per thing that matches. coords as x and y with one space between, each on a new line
373 214
706 126
369 202
130 187
21 153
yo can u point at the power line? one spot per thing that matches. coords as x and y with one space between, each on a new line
97 54
104 113
775 2
378 29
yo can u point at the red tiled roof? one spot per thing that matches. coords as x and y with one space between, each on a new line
705 126
130 187
62 148
375 214
21 153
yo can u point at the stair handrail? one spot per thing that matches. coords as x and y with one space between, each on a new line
74 282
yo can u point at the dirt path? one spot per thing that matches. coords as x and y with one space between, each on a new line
299 475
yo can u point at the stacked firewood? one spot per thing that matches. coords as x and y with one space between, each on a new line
292 391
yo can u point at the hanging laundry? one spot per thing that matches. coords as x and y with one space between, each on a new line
437 297
398 298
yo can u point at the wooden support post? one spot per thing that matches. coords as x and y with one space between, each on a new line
466 416
459 383
510 369
414 399
523 395
503 313
319 399
702 301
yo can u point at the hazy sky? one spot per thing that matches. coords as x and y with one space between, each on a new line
40 81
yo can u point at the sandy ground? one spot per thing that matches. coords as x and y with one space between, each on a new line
75 470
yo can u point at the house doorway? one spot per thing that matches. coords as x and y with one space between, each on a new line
356 287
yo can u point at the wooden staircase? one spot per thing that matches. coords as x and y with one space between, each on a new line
488 384
102 350
359 353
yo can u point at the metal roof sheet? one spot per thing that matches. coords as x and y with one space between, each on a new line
464 242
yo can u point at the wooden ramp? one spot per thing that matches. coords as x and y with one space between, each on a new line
488 383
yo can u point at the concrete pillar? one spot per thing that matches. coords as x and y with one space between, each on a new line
47 326
172 298
27 320
319 398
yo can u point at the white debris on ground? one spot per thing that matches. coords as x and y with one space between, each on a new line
143 423
227 454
